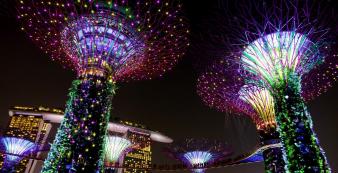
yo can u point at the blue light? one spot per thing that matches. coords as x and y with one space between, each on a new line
17 148
198 158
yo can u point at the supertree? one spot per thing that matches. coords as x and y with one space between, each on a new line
104 42
286 47
222 87
116 148
14 150
198 154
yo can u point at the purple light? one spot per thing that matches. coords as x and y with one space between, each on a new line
17 148
101 41
198 154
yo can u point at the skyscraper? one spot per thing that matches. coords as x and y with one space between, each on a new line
31 123
139 158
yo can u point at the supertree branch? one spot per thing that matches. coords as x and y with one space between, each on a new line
198 154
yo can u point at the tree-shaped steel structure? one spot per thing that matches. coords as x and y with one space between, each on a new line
198 154
222 87
104 42
286 48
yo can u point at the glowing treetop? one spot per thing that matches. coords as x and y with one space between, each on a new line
276 56
130 39
222 87
297 43
16 149
198 154
115 147
225 87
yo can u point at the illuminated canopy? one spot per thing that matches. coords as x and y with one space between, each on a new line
198 154
101 40
115 147
17 148
275 56
132 40
261 101
198 157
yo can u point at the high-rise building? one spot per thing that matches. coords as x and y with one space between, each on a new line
31 123
138 158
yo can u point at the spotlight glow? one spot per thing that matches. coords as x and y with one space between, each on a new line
198 157
17 147
198 154
262 102
115 147
275 56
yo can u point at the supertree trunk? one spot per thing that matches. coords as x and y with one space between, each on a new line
273 157
91 109
300 145
59 154
273 160
87 114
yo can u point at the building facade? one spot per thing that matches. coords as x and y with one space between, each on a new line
141 157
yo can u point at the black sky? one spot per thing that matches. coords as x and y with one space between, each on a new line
169 104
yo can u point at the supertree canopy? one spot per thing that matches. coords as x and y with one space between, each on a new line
286 47
222 87
115 147
262 102
198 154
104 42
15 149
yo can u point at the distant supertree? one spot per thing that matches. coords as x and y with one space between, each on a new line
286 47
104 42
222 87
116 148
14 150
198 154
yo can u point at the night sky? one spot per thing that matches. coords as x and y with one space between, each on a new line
168 104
